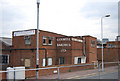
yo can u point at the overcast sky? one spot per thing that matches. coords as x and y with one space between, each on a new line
67 17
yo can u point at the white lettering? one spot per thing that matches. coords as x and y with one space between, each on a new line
77 40
63 44
63 39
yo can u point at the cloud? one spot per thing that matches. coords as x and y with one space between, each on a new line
69 17
95 10
17 15
98 9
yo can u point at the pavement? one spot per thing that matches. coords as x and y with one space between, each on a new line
80 74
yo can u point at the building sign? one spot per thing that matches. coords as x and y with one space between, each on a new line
68 39
23 33
63 45
77 40
63 39
63 50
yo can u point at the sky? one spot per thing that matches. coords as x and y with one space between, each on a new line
67 17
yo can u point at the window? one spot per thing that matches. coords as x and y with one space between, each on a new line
27 40
92 43
79 60
111 46
44 40
83 59
43 63
75 60
4 59
27 63
49 61
49 40
61 60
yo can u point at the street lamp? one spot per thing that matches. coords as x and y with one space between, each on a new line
37 41
102 39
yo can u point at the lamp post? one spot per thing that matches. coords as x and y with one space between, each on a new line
102 40
37 41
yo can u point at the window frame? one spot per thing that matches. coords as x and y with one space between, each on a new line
50 39
44 38
43 61
27 39
61 62
50 59
2 62
93 43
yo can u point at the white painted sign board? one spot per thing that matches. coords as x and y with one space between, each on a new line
23 33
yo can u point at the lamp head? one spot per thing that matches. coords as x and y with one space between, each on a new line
107 16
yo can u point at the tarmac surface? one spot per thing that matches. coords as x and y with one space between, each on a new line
80 74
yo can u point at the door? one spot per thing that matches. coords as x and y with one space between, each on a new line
61 60
79 60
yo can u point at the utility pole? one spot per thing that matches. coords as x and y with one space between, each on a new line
37 41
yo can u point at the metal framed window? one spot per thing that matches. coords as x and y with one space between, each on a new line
4 59
111 46
79 60
27 40
93 43
61 60
44 40
50 40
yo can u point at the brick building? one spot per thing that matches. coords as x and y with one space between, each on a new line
110 51
54 49
5 44
70 50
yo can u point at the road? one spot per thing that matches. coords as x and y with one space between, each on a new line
109 73
101 75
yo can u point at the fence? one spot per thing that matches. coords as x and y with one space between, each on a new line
57 70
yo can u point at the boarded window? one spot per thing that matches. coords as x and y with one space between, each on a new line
49 61
43 63
27 62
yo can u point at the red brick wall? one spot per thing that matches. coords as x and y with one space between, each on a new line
62 70
2 76
19 55
109 54
31 74
76 49
91 52
67 53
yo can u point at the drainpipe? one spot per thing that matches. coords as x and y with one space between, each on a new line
84 47
45 56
